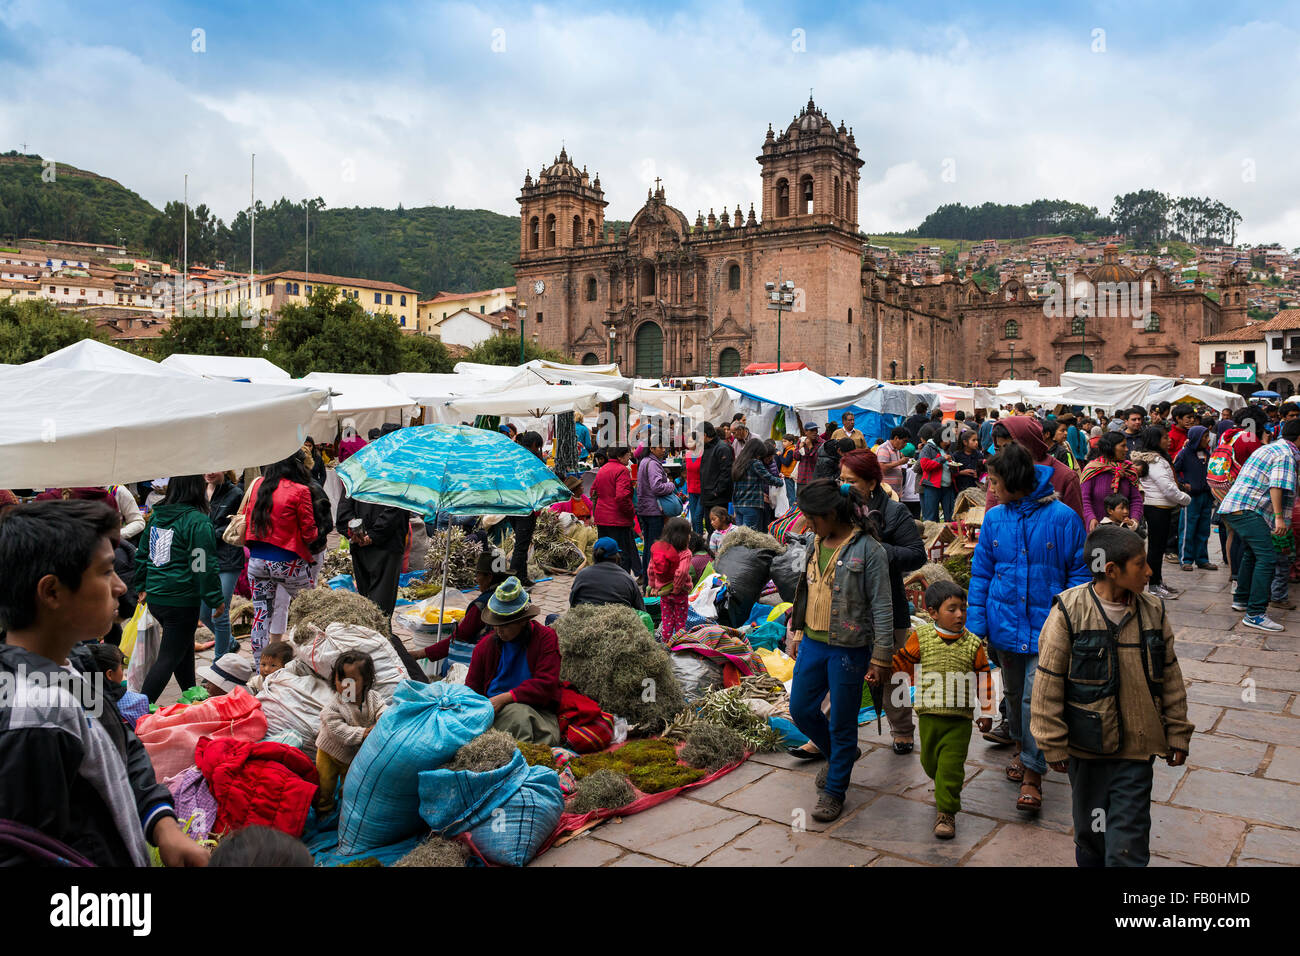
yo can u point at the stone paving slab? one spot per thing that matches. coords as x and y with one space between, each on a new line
991 794
1250 798
1285 765
1199 670
1269 845
770 844
1226 753
889 772
679 831
583 850
1255 657
1234 695
636 859
1277 679
905 828
1192 836
788 798
1019 844
742 776
1269 728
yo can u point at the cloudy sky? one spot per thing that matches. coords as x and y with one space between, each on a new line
379 103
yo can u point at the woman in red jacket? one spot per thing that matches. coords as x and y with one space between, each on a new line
691 459
517 667
611 496
281 526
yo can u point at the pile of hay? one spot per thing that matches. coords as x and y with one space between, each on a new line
553 550
712 747
607 654
323 606
931 572
335 563
488 751
742 537
436 851
727 708
460 564
959 569
603 790
651 765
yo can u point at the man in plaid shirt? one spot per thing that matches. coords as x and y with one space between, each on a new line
1259 502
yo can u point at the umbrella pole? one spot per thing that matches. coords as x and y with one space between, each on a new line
446 560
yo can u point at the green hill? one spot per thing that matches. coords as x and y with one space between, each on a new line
74 204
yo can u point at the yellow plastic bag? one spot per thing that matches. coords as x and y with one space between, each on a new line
778 664
131 629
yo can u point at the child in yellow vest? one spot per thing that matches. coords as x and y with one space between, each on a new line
950 671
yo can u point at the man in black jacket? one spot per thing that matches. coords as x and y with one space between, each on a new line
715 470
70 767
377 544
915 421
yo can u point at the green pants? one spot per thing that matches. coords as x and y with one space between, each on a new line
529 724
944 742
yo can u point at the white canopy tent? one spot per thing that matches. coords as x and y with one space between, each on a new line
539 372
952 398
1109 391
433 391
229 367
534 401
89 355
68 427
761 397
698 405
368 400
1185 390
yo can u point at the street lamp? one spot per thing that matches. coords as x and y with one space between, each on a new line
893 370
523 314
1012 373
612 333
780 296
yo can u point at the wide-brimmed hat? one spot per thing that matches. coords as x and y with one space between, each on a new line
228 671
509 603
487 561
574 484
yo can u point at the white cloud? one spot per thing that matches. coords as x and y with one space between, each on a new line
1023 113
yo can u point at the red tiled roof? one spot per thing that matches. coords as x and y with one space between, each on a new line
320 278
449 296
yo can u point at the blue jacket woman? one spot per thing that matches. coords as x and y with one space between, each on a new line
1028 552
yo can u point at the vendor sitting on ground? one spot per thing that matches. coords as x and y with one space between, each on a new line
606 581
471 626
225 674
517 667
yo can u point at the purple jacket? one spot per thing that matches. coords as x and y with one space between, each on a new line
1095 490
652 483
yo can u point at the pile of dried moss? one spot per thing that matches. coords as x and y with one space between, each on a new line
651 765
537 755
607 654
336 562
436 851
742 537
602 790
959 568
727 708
712 747
487 751
323 606
460 565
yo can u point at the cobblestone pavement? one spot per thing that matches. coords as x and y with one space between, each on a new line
1236 803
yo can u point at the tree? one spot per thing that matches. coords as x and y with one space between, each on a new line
209 335
33 329
334 334
504 350
424 353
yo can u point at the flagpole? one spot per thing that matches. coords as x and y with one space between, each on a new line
185 256
252 220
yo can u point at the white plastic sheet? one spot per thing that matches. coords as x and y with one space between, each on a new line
229 367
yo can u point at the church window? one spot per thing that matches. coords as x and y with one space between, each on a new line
1011 330
591 230
733 277
591 289
850 315
1078 363
839 199
729 363
647 279
577 230
1152 323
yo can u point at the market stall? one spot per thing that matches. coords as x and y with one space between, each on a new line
232 368
368 400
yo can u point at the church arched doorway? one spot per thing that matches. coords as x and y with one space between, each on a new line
729 363
591 359
649 351
1078 363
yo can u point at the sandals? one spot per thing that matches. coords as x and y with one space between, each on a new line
1015 770
1030 803
903 747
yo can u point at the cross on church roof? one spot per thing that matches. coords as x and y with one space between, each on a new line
656 183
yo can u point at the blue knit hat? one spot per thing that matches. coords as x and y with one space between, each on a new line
509 603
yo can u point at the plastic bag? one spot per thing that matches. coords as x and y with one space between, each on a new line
746 570
778 664
145 652
320 649
787 568
704 594
131 629
421 729
697 675
169 735
292 699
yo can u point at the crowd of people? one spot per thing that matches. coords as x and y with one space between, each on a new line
1066 598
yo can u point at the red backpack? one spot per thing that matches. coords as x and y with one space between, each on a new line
1222 468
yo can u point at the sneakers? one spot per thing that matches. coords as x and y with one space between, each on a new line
1162 591
824 772
1238 607
999 735
1208 566
945 826
828 808
1262 622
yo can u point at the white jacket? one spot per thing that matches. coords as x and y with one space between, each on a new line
132 520
1159 488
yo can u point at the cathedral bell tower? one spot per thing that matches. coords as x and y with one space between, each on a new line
810 173
563 209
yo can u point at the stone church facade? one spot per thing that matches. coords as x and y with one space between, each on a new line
673 298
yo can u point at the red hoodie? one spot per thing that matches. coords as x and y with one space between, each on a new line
1028 434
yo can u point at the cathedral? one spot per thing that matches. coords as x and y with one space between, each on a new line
669 297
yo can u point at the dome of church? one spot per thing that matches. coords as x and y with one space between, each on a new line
561 168
810 119
1111 269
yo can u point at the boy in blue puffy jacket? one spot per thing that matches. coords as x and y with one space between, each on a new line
1030 549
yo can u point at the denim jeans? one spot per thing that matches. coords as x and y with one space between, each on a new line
1258 560
220 626
1018 672
791 492
841 670
652 527
750 517
931 500
1281 583
697 514
1195 539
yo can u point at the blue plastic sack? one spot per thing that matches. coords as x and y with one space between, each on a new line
508 812
342 582
422 728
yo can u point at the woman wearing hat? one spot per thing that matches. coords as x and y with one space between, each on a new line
488 575
517 667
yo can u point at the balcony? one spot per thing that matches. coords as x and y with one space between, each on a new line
1291 355
1216 368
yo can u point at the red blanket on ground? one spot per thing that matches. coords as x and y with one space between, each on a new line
265 783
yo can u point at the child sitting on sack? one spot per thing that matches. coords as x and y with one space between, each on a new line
950 668
1109 699
345 722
